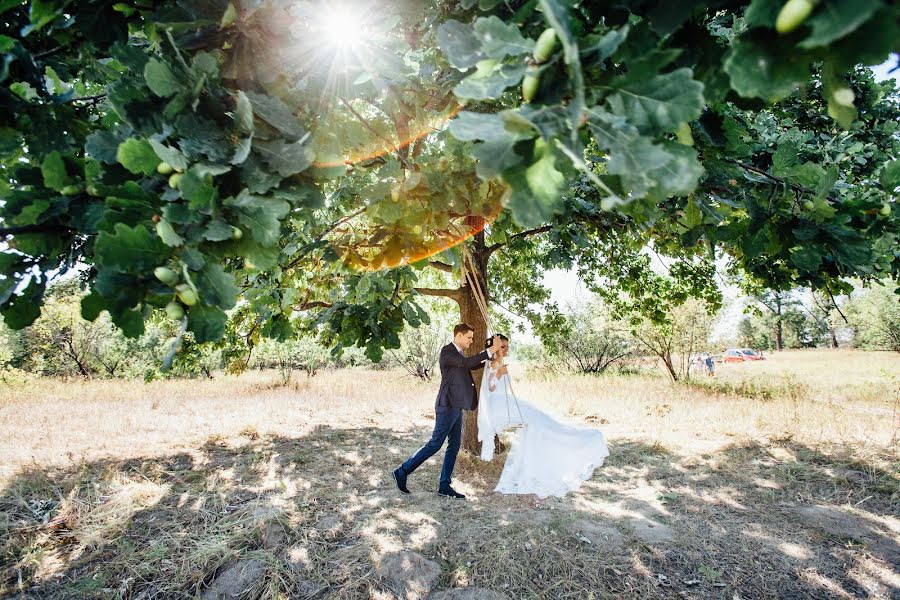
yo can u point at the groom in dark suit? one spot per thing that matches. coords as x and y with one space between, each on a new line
456 394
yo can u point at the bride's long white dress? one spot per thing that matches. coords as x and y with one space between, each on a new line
548 457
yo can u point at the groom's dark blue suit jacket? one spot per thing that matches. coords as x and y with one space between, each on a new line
457 386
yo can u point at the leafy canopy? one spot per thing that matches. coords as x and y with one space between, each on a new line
230 144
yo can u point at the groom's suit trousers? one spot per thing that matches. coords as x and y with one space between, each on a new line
447 425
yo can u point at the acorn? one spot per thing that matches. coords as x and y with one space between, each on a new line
530 85
71 190
175 311
792 15
683 135
545 45
166 275
186 294
843 96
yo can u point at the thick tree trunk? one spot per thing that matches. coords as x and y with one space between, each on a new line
471 314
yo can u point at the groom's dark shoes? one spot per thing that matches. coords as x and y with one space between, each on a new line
400 478
446 490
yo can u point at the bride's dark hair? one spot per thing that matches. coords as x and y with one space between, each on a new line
499 335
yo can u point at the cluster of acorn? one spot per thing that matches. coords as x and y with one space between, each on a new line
183 291
174 174
543 49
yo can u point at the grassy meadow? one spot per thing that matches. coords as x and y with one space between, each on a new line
774 479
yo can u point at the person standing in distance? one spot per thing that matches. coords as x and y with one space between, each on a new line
456 394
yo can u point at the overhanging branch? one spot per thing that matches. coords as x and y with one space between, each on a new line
835 304
311 305
794 186
494 247
439 292
441 266
368 126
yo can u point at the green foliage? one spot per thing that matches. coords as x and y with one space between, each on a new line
798 330
591 342
420 349
685 332
61 343
875 317
303 354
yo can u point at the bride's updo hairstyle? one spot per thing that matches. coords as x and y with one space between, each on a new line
487 342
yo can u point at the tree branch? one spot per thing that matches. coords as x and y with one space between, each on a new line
343 220
494 247
321 236
441 266
9 231
439 292
46 53
758 171
362 120
834 302
311 305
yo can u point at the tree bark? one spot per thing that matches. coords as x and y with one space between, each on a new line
670 368
779 338
470 313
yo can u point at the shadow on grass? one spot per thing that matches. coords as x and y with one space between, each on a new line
312 516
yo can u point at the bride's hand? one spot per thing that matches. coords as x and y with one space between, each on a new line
502 371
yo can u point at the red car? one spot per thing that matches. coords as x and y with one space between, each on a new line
750 354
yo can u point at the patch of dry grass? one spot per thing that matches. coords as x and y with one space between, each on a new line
66 423
127 490
814 396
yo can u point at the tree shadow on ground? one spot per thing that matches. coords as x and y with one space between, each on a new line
755 520
313 516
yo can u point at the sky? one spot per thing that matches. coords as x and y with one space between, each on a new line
567 289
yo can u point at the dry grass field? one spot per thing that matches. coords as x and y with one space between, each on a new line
775 479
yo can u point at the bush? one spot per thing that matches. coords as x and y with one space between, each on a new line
875 317
591 341
300 354
420 349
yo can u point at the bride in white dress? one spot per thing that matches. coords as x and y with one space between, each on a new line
549 457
